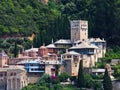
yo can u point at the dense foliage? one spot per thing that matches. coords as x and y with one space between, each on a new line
47 21
113 53
116 73
47 83
107 83
63 77
12 46
25 16
81 80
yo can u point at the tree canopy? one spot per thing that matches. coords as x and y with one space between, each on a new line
52 20
81 80
107 84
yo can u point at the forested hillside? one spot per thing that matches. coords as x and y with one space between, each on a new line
25 16
51 21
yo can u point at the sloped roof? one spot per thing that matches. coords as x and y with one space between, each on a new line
93 46
12 67
72 53
51 46
83 45
2 53
28 61
99 40
96 40
32 49
33 61
63 41
78 41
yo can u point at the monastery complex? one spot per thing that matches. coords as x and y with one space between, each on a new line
31 64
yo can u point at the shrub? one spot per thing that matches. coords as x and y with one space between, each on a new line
97 76
89 80
63 77
97 85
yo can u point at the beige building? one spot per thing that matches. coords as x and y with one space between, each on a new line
13 78
101 44
3 59
85 51
79 30
84 48
71 61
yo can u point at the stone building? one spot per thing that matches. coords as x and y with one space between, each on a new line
101 44
87 49
63 44
79 30
13 78
83 48
36 68
51 48
71 61
3 59
42 51
32 52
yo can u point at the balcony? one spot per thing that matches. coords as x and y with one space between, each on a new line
32 71
87 53
32 66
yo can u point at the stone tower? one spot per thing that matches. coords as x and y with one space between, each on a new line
3 59
79 30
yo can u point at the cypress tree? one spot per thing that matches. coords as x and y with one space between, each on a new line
57 69
107 84
15 51
81 79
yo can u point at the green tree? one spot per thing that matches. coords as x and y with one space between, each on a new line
107 84
81 80
89 80
44 80
63 77
105 16
70 8
56 69
97 85
81 5
116 71
15 51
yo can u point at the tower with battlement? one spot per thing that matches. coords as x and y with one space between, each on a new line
79 30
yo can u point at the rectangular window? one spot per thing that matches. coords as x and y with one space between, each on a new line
68 56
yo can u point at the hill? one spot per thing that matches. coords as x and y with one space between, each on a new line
51 21
25 17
